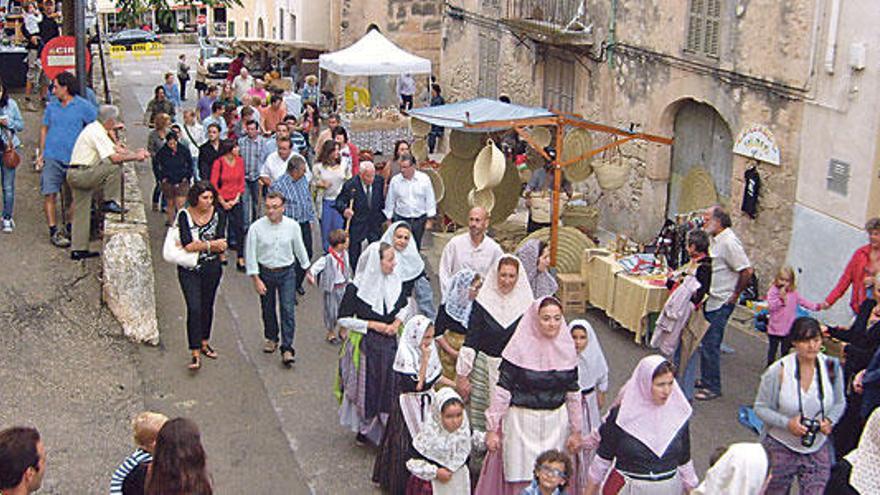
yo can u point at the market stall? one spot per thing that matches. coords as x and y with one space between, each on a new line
373 55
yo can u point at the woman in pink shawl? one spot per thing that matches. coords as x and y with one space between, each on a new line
536 405
646 436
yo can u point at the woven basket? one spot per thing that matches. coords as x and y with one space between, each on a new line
570 250
575 143
534 160
436 183
458 178
489 166
420 128
507 195
581 216
465 144
697 191
419 149
611 173
541 136
482 197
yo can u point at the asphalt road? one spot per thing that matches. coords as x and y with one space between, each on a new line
268 429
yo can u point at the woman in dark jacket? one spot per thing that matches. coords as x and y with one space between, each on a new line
176 166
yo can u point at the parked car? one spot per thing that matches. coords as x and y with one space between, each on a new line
128 37
216 62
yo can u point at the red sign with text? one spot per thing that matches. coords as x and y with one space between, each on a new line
59 55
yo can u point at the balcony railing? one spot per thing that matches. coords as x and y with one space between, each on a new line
553 12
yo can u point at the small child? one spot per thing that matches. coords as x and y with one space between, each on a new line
783 301
146 426
32 19
335 278
441 449
552 469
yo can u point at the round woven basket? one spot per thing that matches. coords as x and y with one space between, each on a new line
489 166
581 216
541 136
611 173
436 183
465 144
458 179
507 195
420 128
697 191
570 250
482 197
419 149
576 143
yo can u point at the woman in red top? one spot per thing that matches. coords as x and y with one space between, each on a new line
861 271
227 175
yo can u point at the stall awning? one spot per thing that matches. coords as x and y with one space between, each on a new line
457 115
374 55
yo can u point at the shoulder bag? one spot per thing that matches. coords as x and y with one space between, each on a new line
11 158
172 250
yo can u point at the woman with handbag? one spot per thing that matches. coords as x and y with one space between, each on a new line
10 123
201 227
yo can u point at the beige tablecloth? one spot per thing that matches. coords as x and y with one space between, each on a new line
626 299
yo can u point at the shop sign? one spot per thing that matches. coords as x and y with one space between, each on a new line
758 143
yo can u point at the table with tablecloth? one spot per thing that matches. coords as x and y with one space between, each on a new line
627 299
378 135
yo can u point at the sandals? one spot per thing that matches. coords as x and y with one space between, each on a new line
195 363
209 352
706 394
331 338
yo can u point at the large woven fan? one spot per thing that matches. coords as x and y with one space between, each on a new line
570 249
574 144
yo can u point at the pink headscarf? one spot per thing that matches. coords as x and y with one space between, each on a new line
653 425
530 349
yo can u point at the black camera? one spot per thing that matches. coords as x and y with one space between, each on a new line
812 426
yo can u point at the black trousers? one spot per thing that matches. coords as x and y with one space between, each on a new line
532 226
183 88
417 225
406 102
306 231
777 342
354 246
199 288
235 228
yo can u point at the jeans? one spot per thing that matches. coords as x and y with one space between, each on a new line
251 201
280 285
687 373
710 347
199 288
8 191
306 231
182 88
424 295
432 139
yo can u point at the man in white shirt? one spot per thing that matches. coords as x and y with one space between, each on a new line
474 250
275 165
293 104
731 272
242 83
410 198
406 88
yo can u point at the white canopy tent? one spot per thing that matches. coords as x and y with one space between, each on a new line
373 55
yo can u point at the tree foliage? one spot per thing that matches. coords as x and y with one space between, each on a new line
132 11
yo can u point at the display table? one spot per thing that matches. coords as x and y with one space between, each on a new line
378 135
626 299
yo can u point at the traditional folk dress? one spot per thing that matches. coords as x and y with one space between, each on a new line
410 268
452 318
335 271
592 379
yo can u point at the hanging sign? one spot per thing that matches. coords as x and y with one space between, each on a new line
757 142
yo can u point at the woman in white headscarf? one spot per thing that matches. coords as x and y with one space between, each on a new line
741 470
593 383
535 257
411 267
502 300
856 474
372 311
452 317
416 371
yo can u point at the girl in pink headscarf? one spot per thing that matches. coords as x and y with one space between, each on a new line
536 405
646 436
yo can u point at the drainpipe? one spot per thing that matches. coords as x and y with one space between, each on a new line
831 42
612 33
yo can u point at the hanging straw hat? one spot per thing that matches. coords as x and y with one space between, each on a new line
541 136
570 249
465 144
489 167
436 183
611 173
457 176
420 128
482 197
506 195
697 191
574 144
419 149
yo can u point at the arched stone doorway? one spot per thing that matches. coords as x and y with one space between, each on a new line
261 30
702 147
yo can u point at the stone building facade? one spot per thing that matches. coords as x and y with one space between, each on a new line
701 71
280 20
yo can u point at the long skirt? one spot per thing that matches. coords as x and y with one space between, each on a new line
379 389
592 421
630 486
389 468
330 221
332 298
352 381
459 484
455 340
483 377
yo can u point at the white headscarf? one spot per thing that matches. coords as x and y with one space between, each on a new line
409 262
458 302
408 358
449 449
592 366
866 457
505 308
742 470
375 288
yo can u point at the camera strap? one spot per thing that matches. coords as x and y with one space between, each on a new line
797 375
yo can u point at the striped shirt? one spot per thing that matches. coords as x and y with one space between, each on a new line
297 198
124 469
251 150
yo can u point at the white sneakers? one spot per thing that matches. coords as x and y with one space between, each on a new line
8 225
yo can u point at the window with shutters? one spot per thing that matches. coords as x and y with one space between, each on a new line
490 48
281 21
838 177
704 27
559 88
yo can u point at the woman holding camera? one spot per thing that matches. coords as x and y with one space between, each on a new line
800 399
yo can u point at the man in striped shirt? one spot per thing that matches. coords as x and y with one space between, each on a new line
251 147
298 205
146 426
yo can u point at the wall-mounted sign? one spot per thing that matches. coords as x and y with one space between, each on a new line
757 142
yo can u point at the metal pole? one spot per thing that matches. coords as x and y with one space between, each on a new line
107 98
557 181
79 32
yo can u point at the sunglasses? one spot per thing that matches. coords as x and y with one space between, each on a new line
552 471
